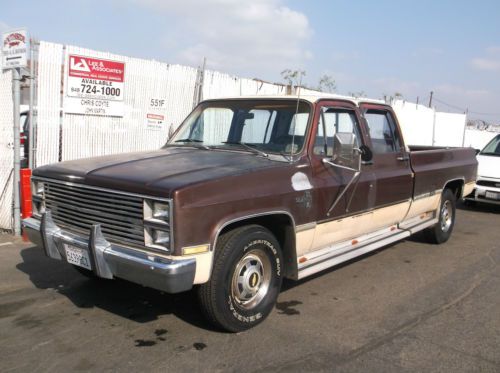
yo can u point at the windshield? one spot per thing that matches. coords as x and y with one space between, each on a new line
260 126
493 147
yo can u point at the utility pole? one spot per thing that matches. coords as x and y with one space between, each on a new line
430 98
465 126
198 94
17 143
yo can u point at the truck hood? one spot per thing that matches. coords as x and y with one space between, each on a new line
489 166
156 173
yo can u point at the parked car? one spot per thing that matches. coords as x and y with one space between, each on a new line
487 188
247 192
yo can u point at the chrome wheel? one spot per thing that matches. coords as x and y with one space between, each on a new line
251 279
446 216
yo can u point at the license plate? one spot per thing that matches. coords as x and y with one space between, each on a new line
493 195
77 256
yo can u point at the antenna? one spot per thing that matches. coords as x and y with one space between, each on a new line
295 116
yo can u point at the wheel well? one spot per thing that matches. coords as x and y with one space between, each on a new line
282 227
456 186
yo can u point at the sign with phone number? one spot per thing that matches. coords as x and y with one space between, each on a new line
94 86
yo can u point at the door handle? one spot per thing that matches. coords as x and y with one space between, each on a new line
403 158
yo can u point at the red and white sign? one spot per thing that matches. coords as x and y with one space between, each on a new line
155 122
93 68
14 49
94 86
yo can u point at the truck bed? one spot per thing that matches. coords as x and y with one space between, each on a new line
435 166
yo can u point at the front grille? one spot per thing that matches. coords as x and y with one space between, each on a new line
493 184
77 207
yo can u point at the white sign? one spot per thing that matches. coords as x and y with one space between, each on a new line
155 118
94 86
14 49
155 122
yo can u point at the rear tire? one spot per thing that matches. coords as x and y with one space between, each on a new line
246 279
441 231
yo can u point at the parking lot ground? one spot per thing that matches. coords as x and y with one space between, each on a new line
409 307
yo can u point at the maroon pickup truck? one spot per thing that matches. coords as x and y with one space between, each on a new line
249 191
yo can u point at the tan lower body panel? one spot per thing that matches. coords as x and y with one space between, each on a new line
203 265
325 234
407 216
423 205
468 189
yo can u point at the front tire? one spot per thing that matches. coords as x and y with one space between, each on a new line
441 232
246 279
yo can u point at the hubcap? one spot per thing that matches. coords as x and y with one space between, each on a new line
446 216
251 279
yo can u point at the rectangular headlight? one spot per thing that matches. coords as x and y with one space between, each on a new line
38 198
157 230
156 211
37 188
157 238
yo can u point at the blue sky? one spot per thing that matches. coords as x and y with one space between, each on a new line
377 47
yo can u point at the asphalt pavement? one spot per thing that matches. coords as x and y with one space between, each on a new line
410 307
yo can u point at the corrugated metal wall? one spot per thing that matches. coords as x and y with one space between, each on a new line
86 136
49 103
66 136
6 146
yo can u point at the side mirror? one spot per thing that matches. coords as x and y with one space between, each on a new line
477 151
366 153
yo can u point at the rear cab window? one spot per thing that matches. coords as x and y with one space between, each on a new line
383 132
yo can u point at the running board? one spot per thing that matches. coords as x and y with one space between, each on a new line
333 255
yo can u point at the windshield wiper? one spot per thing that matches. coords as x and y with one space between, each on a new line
286 156
194 143
247 146
490 153
188 140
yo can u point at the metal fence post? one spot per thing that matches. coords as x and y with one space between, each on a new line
31 137
17 143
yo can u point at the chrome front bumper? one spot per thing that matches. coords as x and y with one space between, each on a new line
111 260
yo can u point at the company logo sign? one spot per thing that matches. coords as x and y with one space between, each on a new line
94 68
14 40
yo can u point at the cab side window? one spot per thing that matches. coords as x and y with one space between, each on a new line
335 121
383 132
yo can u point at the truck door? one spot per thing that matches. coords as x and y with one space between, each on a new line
337 187
390 164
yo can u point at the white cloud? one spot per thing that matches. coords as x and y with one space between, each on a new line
261 36
489 63
428 52
4 26
452 90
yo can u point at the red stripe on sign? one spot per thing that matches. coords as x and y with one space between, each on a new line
156 116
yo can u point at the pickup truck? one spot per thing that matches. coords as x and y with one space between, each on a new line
487 188
247 192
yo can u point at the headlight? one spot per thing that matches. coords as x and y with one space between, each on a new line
157 224
158 211
157 238
161 237
161 211
37 188
38 198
